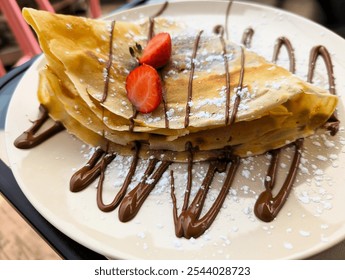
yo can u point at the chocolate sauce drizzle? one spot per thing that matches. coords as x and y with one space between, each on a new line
133 201
227 14
323 52
151 34
220 31
109 63
152 20
283 41
238 89
230 120
123 190
268 206
191 77
190 150
94 167
189 222
131 119
247 37
165 105
30 138
333 122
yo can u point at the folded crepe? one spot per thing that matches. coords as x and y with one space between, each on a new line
275 106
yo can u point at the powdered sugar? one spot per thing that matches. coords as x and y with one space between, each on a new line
312 195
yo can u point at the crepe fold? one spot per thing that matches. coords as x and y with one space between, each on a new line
87 59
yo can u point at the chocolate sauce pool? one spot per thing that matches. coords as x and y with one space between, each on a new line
189 222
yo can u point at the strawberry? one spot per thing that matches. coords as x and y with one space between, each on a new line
144 88
158 51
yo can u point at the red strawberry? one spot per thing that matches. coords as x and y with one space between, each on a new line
158 51
144 88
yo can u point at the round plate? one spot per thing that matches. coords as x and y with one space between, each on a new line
312 220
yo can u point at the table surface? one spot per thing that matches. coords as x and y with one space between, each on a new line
62 244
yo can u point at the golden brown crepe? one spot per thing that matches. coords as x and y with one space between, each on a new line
276 107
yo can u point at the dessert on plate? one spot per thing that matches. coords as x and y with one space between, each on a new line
161 90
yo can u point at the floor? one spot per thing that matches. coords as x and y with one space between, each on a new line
20 241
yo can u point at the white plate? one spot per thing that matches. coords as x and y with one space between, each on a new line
312 220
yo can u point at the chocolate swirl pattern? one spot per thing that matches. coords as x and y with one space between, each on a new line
333 123
191 77
283 41
268 206
31 137
91 171
132 202
123 190
188 223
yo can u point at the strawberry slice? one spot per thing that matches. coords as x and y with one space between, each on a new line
158 51
144 88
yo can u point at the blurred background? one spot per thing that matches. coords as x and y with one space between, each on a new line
329 13
17 239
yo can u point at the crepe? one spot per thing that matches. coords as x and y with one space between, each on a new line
275 106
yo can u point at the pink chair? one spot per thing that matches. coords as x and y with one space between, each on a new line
95 8
21 31
2 69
